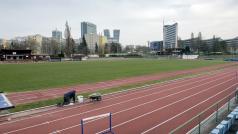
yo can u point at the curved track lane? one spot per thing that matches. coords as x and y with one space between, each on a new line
149 110
31 96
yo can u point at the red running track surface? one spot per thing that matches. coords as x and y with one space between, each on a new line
32 96
155 109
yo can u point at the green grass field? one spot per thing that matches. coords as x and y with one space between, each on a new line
57 100
24 77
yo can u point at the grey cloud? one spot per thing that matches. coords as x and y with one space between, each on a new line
139 20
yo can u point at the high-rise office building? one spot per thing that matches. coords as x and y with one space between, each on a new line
107 33
115 38
116 35
57 35
92 40
88 28
170 36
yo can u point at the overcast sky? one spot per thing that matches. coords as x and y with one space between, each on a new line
138 20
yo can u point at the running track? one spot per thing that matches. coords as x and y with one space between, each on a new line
153 110
31 96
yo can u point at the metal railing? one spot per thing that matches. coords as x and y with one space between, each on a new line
204 125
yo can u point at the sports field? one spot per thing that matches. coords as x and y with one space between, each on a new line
24 77
158 108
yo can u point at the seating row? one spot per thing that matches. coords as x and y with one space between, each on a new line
226 124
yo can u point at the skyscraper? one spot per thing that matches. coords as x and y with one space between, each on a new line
116 35
57 35
107 33
115 38
170 35
88 28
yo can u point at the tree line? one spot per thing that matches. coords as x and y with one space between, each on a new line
206 47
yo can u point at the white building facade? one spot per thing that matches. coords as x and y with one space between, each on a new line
92 39
170 36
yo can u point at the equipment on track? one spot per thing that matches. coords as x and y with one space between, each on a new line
4 102
93 118
95 97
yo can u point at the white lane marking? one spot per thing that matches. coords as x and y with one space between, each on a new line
50 93
60 92
86 88
139 105
134 91
23 99
188 109
143 115
107 106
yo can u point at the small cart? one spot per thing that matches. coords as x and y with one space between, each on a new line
95 97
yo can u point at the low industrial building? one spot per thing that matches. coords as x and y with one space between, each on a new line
8 54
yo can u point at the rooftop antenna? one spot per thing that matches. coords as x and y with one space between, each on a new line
163 35
163 22
174 21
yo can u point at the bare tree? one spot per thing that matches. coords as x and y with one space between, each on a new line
69 48
199 42
55 47
45 46
32 45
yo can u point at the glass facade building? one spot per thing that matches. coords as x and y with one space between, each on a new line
107 33
156 46
115 38
57 35
170 35
88 28
116 35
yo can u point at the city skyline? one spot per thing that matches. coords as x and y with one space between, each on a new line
139 21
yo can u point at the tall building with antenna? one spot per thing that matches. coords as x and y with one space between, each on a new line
170 36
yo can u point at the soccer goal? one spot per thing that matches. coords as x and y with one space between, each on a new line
94 118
